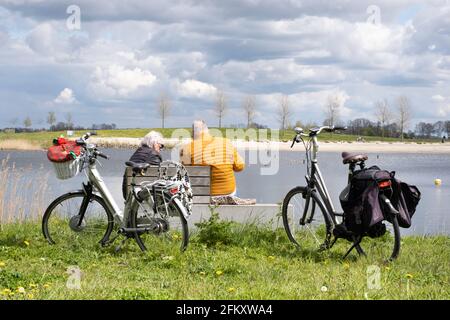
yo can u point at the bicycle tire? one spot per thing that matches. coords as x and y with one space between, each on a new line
146 237
395 252
294 234
50 213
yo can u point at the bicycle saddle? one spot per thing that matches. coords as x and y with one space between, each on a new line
137 166
348 157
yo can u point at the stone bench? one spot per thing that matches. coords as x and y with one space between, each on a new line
200 177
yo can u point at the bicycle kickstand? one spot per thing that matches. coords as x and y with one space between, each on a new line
355 243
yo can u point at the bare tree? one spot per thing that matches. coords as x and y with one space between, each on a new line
383 114
221 106
164 107
27 122
332 110
51 118
404 114
69 120
284 112
14 121
249 106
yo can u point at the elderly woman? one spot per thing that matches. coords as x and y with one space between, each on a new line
148 152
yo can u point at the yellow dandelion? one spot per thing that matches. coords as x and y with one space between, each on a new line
21 290
46 285
387 268
2 264
6 292
346 265
271 257
231 289
30 296
219 272
202 273
409 276
27 243
32 285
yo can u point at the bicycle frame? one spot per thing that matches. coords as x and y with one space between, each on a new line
316 184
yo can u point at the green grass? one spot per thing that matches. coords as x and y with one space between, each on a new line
45 138
256 263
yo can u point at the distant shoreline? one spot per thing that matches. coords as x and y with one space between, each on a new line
325 146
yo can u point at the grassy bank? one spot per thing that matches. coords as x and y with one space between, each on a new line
44 139
251 263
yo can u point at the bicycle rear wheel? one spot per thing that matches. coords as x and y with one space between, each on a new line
162 229
304 220
385 247
61 221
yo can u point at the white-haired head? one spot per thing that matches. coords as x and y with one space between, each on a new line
199 127
151 138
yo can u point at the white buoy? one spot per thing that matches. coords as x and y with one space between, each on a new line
437 182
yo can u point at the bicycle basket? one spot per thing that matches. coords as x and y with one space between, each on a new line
66 158
68 169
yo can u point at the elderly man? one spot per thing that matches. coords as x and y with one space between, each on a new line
216 152
148 152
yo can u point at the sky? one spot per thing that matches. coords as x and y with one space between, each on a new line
108 61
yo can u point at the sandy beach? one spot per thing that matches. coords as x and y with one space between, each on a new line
368 147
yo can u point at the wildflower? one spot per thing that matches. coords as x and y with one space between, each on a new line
202 273
324 289
168 258
26 243
346 265
30 296
175 236
21 290
46 285
219 272
2 264
231 289
32 285
6 292
387 268
271 257
409 276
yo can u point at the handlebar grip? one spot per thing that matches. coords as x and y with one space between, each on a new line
293 142
101 155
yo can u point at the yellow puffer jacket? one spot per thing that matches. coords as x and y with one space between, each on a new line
221 155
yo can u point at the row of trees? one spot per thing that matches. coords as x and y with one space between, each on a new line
55 125
391 121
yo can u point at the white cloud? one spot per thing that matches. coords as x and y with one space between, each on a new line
66 96
194 88
118 81
438 98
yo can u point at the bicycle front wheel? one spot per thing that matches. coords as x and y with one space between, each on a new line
75 218
167 229
303 219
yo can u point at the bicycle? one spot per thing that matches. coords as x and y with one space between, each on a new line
300 204
159 208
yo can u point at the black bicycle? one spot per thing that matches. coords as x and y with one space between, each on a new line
304 226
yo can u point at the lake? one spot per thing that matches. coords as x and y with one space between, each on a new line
418 169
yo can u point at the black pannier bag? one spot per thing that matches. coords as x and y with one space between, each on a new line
363 212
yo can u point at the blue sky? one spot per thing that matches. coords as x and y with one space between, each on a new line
124 55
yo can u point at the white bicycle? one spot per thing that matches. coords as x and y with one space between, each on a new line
160 208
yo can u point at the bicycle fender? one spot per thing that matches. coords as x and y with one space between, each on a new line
182 208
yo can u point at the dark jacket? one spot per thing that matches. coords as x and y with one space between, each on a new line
143 154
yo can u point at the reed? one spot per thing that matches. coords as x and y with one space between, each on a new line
21 198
